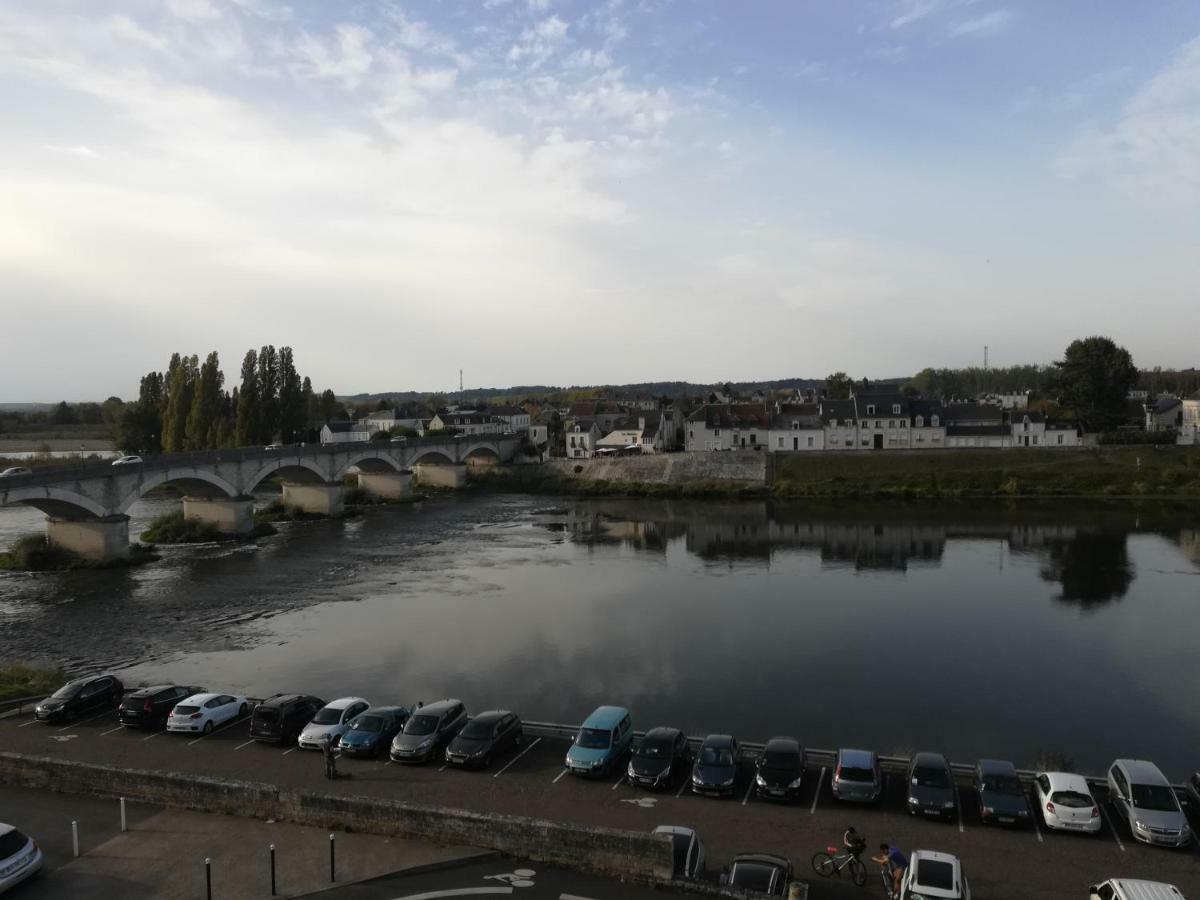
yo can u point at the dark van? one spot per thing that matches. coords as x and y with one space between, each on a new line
281 717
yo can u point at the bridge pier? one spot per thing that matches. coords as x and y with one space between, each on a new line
98 540
317 499
441 476
234 516
386 485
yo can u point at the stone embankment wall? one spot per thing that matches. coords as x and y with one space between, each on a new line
666 468
630 855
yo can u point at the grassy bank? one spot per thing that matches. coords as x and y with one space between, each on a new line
1171 473
32 553
356 496
19 680
537 480
173 528
275 511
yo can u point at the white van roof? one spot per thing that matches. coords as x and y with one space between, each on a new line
1135 889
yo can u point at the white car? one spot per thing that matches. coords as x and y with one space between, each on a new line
687 849
127 461
1134 889
20 857
14 471
1066 802
332 721
204 712
934 876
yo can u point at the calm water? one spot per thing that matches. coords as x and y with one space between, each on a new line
975 632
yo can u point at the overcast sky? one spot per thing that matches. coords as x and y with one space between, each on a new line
549 191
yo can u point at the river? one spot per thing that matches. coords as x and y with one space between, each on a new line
974 631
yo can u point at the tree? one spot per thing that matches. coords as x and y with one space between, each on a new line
330 409
268 393
64 414
838 386
248 431
291 398
1092 380
205 410
180 391
309 399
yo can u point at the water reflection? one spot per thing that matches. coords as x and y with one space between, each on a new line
1092 568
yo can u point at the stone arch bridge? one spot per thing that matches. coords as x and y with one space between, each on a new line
87 506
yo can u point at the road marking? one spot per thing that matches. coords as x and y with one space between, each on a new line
572 897
443 768
27 724
958 804
247 744
817 795
1112 827
683 787
518 756
560 775
748 790
228 724
111 730
289 750
1037 829
155 734
83 721
460 892
620 781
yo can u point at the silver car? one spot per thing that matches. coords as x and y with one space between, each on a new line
1144 797
856 776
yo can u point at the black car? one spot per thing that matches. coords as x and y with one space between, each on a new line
1193 791
429 729
716 766
148 707
371 732
83 695
762 872
931 790
281 717
660 758
484 737
1001 796
779 771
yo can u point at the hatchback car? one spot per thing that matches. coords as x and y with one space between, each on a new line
601 743
483 738
14 471
931 790
20 857
127 461
83 695
762 872
659 759
281 717
934 876
202 713
687 851
371 733
1001 796
716 765
1134 889
331 722
1066 802
429 729
1147 802
856 777
149 707
779 769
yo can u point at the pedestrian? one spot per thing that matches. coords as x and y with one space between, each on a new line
330 757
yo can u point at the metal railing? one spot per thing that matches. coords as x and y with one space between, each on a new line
14 706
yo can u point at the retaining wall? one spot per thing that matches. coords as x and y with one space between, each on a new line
629 855
666 468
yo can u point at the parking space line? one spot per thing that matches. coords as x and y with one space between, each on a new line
1037 829
289 750
443 768
27 724
111 730
84 721
1112 827
560 775
247 744
817 795
518 756
228 724
747 797
683 787
155 734
958 797
620 781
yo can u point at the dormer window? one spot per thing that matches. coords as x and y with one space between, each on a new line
895 409
870 409
920 421
933 421
833 423
795 425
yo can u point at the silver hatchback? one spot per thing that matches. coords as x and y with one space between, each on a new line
856 776
1146 800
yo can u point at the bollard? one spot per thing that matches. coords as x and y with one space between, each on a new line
208 877
332 874
272 870
123 828
75 836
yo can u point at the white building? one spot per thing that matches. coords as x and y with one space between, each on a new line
344 433
727 426
515 418
1016 400
1189 424
627 434
1164 414
797 429
466 423
581 439
1030 429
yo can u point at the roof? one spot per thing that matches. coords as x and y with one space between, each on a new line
282 699
978 431
1060 425
883 403
507 411
929 759
436 707
857 758
651 428
1166 403
782 745
343 702
491 715
1142 770
840 410
732 415
973 412
343 427
662 732
788 420
1028 414
605 717
1195 396
996 767
718 740
1068 781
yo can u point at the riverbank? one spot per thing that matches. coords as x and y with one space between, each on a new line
20 680
719 475
32 553
173 528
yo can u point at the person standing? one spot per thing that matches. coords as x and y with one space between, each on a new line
330 757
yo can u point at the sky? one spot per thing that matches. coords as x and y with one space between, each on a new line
560 192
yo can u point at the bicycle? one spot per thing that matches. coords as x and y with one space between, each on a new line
885 875
832 861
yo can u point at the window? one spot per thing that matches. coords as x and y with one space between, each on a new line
891 423
691 435
895 409
933 421
870 409
833 423
780 443
920 423
716 432
904 423
796 425
810 442
753 439
1035 440
1060 440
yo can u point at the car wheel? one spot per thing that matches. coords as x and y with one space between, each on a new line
208 726
242 710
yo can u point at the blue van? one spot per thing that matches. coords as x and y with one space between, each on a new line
602 741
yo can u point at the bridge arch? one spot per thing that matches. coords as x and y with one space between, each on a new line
295 469
192 482
483 453
432 457
59 503
375 462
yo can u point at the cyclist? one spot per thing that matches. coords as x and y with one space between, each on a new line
896 862
854 842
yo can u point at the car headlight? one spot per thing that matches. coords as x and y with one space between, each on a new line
727 782
425 744
1140 825
760 781
479 752
987 810
796 784
949 804
913 801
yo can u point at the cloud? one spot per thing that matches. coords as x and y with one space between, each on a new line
992 23
345 57
196 10
78 150
539 43
913 11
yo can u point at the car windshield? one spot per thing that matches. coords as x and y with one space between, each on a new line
266 714
477 730
716 756
327 716
852 773
935 873
1003 784
655 749
594 738
185 710
680 843
1155 797
11 843
776 760
372 724
1071 799
67 690
419 725
752 876
934 778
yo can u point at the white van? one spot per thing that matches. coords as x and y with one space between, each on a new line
1133 889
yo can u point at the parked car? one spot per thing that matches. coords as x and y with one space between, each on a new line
13 471
281 717
273 447
779 770
149 707
83 695
371 732
1134 889
204 712
931 790
331 721
1193 791
716 764
660 758
856 777
931 874
483 738
1001 796
1066 802
428 730
20 857
763 872
127 461
1147 802
602 741
687 850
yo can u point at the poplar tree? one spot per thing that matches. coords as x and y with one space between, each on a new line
268 393
205 410
248 427
179 403
291 397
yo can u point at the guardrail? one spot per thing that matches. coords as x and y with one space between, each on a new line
16 705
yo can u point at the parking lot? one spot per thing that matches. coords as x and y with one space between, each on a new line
999 863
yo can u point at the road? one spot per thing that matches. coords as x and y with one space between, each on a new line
1001 864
